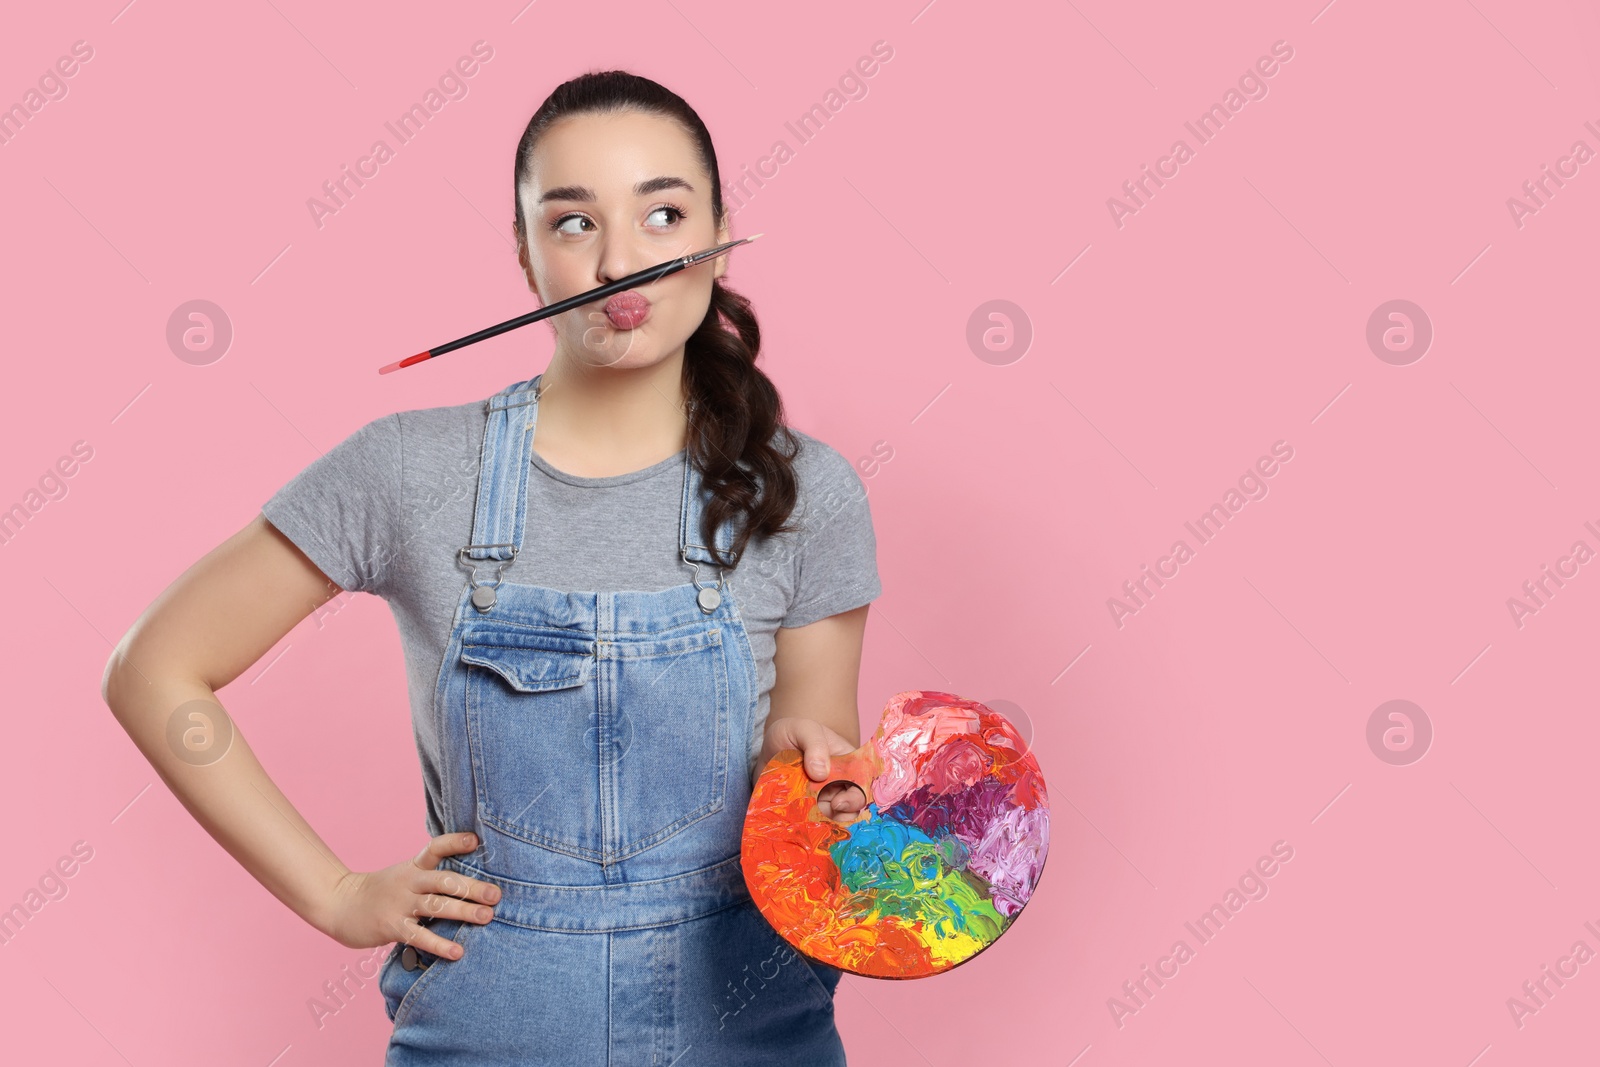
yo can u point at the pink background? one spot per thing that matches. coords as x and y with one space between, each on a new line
1024 489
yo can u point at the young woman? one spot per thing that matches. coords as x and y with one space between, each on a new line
620 586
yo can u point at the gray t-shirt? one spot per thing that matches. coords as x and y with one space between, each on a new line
385 511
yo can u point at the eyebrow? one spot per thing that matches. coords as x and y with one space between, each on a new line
644 188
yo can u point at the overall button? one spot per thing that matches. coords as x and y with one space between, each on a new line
409 959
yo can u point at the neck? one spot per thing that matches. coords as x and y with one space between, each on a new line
597 421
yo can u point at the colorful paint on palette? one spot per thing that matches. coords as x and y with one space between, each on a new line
938 866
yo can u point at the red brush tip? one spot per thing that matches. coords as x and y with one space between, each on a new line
418 358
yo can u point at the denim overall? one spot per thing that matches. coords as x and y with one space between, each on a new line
596 743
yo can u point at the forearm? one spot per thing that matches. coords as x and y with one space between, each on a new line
231 796
818 669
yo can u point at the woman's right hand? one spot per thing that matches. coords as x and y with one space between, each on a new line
371 908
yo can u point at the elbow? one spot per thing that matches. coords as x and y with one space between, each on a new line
114 680
109 679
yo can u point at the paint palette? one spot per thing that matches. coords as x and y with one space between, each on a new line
935 868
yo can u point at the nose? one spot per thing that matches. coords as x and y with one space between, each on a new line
622 254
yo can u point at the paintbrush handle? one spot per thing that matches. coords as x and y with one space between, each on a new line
643 277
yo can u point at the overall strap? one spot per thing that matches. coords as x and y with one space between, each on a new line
503 472
693 553
695 496
502 486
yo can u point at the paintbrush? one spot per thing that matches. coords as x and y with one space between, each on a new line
643 277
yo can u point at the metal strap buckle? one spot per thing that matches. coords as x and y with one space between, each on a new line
483 596
709 597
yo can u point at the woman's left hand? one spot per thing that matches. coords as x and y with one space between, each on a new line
840 801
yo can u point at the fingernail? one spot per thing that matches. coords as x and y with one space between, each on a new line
484 914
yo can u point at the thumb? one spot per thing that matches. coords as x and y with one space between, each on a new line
817 743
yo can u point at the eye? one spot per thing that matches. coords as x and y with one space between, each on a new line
677 214
569 217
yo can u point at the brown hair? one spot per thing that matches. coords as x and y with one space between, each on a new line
736 414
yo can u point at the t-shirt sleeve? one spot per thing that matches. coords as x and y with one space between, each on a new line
836 566
341 511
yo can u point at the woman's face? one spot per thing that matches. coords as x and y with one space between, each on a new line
608 195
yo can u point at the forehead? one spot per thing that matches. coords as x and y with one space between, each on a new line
610 153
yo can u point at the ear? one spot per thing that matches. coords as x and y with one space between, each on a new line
721 266
527 268
520 235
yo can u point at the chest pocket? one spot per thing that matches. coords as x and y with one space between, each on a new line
532 670
598 749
